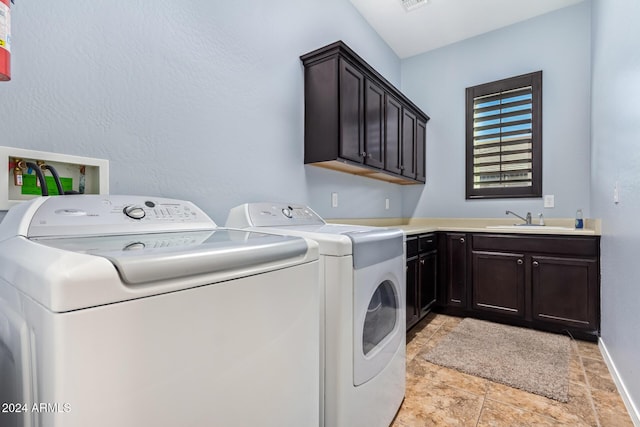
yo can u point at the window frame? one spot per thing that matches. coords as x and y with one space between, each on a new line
535 190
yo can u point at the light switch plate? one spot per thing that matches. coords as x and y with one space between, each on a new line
549 201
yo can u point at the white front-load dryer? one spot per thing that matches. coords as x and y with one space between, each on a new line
363 365
136 311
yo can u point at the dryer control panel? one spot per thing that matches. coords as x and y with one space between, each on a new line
272 215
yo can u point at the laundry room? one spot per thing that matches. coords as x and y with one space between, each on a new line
206 105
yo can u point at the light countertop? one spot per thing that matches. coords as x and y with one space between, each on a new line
556 226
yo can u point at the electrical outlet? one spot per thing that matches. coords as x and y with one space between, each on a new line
549 201
334 200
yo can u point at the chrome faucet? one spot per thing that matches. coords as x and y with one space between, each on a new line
527 220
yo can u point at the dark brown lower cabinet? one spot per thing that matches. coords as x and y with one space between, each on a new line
498 283
565 291
547 282
422 276
413 313
455 276
428 281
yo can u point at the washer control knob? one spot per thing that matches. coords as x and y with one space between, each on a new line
287 212
134 211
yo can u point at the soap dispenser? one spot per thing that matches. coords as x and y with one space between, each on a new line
579 220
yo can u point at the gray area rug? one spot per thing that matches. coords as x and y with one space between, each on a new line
534 361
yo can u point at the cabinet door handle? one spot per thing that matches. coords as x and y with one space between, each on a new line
520 262
535 263
422 261
363 154
462 240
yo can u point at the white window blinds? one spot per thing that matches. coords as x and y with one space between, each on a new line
502 151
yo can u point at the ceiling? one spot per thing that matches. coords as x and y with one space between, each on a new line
442 22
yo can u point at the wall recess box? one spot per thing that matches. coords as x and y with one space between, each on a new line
84 174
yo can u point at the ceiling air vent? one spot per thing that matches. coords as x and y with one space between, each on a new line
410 5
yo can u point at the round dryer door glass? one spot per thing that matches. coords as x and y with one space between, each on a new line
381 316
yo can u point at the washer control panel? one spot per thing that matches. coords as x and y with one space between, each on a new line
99 214
272 215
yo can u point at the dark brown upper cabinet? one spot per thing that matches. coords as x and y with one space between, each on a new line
374 125
393 135
358 122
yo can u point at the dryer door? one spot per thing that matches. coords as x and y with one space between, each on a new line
379 312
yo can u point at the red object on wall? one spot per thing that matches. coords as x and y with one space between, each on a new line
5 41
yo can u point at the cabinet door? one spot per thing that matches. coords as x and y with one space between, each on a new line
498 283
428 281
456 270
393 134
421 140
565 291
374 125
413 314
408 166
351 112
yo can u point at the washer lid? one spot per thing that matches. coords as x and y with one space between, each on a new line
76 252
145 258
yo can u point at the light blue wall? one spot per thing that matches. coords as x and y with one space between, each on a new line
199 99
557 43
616 158
203 100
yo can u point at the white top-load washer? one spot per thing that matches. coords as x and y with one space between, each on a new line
136 311
363 318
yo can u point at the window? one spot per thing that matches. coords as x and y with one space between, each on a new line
504 138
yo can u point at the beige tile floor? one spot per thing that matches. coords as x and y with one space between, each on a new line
438 396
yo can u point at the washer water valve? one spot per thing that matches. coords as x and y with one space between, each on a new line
17 172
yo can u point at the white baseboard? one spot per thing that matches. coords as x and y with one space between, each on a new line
631 407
